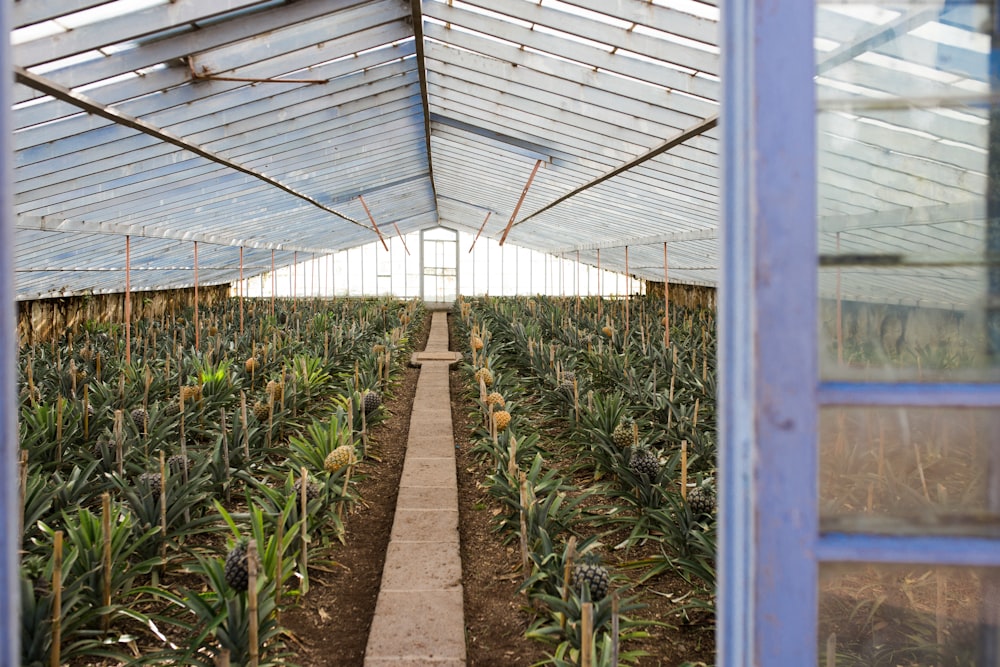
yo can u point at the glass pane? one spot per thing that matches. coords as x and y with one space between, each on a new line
903 145
908 470
906 615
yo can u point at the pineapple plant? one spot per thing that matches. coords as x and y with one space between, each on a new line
371 401
378 348
275 390
477 343
251 365
644 461
567 380
590 575
339 458
152 481
261 411
622 435
191 392
607 330
701 500
141 419
485 375
236 570
313 490
496 400
501 419
178 463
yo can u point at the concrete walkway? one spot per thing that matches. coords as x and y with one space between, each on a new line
419 618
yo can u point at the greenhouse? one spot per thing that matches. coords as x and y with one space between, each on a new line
523 332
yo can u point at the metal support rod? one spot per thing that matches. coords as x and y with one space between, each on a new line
205 75
197 336
666 301
242 290
374 226
49 87
524 193
628 285
294 278
401 238
481 228
274 281
128 300
840 321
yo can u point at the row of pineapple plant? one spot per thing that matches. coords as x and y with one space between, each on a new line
144 467
629 435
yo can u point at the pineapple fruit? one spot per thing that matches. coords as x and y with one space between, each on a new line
496 400
484 374
644 461
251 365
261 411
622 435
141 419
339 458
592 575
237 570
501 419
275 389
701 500
371 401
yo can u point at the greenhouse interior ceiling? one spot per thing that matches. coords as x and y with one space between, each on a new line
585 129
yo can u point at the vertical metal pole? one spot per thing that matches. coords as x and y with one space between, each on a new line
768 367
295 277
241 290
128 300
600 293
666 300
10 512
197 338
989 652
840 314
274 282
628 285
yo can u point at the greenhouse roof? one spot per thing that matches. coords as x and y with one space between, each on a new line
565 126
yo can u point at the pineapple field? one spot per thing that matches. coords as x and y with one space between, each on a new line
587 473
220 488
184 494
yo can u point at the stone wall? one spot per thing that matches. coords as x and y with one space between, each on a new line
688 296
41 319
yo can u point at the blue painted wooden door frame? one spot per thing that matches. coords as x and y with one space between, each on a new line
770 547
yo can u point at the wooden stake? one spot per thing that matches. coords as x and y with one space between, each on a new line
225 450
22 489
831 650
525 559
163 514
243 425
304 532
343 494
60 402
106 530
587 635
119 442
252 603
567 574
279 571
615 625
684 469
57 555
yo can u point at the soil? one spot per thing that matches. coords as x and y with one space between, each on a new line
330 627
